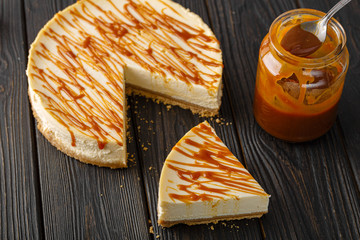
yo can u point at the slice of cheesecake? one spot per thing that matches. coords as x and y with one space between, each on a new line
203 182
82 58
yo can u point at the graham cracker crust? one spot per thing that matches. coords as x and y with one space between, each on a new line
210 220
203 112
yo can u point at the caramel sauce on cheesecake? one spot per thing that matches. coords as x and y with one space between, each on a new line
138 33
219 168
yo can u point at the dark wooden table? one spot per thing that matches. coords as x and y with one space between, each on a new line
315 186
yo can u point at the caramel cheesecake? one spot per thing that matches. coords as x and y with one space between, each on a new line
82 58
203 182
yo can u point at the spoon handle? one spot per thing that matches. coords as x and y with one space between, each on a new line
333 10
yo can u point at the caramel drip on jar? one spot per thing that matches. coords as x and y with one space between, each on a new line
219 168
138 34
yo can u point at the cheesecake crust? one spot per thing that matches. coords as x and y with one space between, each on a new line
203 112
210 220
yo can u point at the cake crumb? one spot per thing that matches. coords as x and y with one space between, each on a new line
149 221
212 227
130 158
128 136
168 107
158 236
151 230
150 168
217 120
121 186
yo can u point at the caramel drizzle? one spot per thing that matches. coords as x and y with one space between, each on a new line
222 170
137 34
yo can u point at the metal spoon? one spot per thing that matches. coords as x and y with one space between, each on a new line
319 27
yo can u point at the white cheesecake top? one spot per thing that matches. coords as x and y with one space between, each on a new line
201 168
76 62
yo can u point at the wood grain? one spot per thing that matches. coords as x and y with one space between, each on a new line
81 201
348 122
45 194
311 184
159 129
349 112
20 206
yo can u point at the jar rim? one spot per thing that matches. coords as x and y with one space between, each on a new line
330 57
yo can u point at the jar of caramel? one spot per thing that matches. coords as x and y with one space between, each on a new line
296 97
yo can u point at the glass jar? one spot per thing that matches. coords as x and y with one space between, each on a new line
296 98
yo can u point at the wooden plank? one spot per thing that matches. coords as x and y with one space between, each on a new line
82 201
20 217
159 129
312 188
349 112
348 122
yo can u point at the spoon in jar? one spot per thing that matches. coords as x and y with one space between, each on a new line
307 37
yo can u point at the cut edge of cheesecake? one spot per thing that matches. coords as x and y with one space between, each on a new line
204 211
164 99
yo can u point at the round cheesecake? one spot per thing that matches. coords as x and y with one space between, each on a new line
89 55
